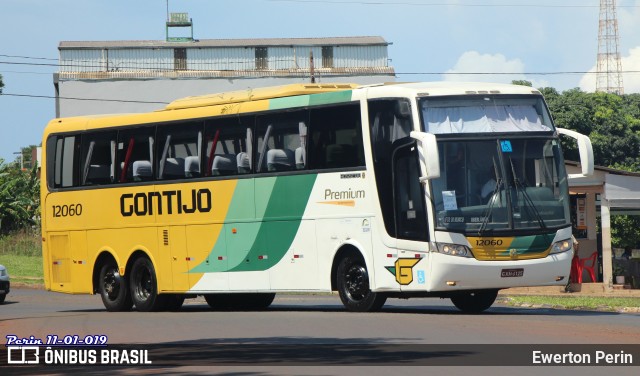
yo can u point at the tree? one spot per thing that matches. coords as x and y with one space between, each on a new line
522 83
612 122
19 198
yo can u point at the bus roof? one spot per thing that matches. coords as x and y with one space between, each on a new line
448 88
249 95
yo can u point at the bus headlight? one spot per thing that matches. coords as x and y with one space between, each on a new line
453 250
561 246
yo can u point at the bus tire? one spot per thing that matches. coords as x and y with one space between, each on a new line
474 301
144 287
113 289
353 286
243 301
2 297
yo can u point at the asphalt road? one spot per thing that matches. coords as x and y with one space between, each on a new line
319 337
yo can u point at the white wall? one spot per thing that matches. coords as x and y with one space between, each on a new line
124 96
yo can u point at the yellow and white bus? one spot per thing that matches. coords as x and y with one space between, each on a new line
394 190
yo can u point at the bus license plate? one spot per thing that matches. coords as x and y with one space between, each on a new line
506 273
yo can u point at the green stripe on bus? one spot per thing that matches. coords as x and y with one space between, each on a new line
261 244
532 244
282 218
310 100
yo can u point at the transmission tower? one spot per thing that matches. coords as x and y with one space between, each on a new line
609 67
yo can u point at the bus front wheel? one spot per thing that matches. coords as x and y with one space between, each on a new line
113 289
144 286
353 286
474 301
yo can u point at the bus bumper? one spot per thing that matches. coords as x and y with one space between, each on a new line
451 273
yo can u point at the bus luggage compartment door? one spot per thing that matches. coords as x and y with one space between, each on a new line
68 265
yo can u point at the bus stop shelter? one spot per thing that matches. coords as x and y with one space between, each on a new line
607 192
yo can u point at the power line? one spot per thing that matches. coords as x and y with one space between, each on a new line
431 4
559 73
28 57
80 99
122 70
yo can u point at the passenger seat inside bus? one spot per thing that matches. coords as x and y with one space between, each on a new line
280 160
300 158
173 168
225 164
243 162
192 166
142 170
98 174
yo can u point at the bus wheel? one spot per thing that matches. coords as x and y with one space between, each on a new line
144 287
250 302
353 286
113 289
474 301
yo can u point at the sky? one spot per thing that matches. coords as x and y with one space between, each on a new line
552 43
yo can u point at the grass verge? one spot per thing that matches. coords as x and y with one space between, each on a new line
574 302
21 253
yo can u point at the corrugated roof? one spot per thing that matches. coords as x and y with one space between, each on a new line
266 42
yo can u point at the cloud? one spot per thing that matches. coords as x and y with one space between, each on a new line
630 79
474 62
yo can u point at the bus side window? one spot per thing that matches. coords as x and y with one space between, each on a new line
180 150
134 160
62 154
98 158
228 146
281 141
335 139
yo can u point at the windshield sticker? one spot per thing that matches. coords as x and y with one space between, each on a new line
449 200
506 146
453 219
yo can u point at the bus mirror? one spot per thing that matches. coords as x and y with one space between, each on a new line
429 157
584 148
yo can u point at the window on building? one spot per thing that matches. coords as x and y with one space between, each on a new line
262 58
327 56
180 58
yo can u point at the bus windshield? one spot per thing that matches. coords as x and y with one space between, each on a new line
500 184
484 114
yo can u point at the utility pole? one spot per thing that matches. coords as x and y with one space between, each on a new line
311 69
609 66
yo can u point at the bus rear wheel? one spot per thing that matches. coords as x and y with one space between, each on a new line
474 301
242 301
144 287
353 286
113 289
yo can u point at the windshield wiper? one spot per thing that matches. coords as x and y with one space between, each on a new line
492 199
529 205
